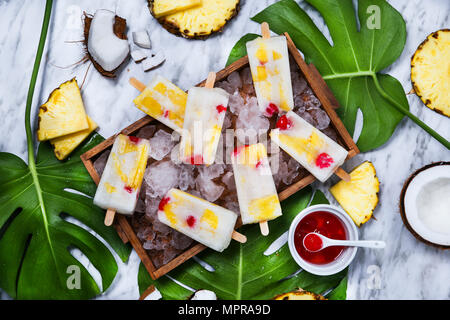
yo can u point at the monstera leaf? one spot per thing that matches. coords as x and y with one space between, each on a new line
43 205
364 43
242 271
36 237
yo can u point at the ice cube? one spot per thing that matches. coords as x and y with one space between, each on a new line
146 132
234 79
160 177
321 118
246 76
228 180
161 144
235 103
180 241
298 83
208 188
212 171
100 162
186 179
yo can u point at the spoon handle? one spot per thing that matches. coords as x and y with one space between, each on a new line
376 244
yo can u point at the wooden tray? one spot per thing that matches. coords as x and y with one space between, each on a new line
322 92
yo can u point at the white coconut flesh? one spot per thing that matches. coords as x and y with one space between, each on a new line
427 204
104 46
204 295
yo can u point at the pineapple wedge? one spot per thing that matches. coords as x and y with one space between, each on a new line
299 295
163 8
197 22
66 144
430 71
63 113
359 196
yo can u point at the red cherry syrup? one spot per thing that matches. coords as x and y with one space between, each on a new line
326 224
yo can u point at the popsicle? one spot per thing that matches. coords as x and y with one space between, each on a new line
315 151
257 194
203 121
199 219
119 186
269 65
162 100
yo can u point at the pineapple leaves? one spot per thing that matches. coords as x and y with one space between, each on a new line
243 272
45 212
364 43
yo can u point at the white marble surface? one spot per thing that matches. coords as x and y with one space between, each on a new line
407 268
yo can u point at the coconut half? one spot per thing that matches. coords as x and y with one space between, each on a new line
425 204
106 41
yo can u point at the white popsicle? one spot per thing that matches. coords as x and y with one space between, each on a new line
199 219
121 180
257 194
315 151
269 64
203 121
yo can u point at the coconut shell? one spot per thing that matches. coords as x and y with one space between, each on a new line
402 204
119 29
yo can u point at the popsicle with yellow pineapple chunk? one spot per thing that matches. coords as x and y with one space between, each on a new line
205 113
122 177
163 101
315 151
198 219
257 194
269 65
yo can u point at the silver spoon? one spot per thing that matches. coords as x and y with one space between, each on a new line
327 242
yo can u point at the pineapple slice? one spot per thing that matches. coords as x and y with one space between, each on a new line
200 21
359 196
299 295
66 144
430 71
63 113
163 8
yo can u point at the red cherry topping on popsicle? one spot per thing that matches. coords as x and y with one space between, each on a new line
128 189
197 159
324 160
163 203
134 139
220 108
258 164
284 123
271 109
166 114
191 221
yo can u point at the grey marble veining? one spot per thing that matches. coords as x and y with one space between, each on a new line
406 269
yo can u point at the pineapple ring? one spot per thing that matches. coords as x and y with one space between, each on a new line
197 22
430 71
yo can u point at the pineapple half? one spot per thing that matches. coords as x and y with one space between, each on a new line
163 8
359 196
63 113
66 144
299 295
197 22
430 71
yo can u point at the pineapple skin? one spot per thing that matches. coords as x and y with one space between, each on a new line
63 113
358 197
63 146
430 71
299 295
172 22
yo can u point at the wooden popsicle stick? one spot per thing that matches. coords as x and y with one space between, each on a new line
265 30
341 173
137 84
239 237
210 80
264 226
109 218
